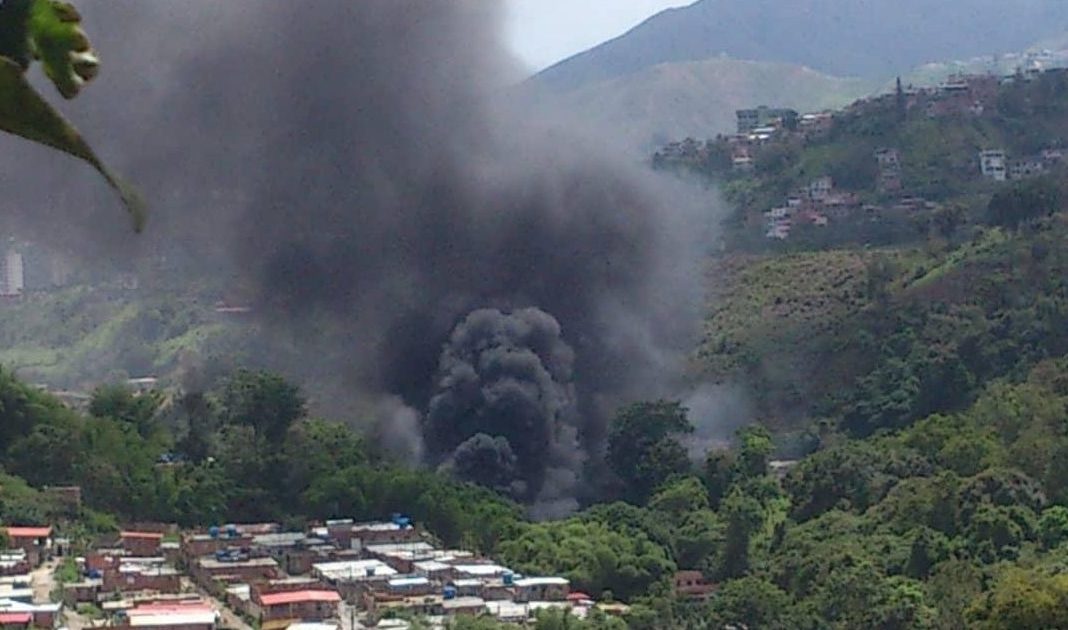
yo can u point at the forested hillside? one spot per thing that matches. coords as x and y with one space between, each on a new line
890 292
957 520
916 370
79 336
909 287
918 388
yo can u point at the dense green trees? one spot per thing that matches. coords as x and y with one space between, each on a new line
596 556
1025 201
248 453
1023 599
261 400
882 532
644 449
120 403
954 520
932 488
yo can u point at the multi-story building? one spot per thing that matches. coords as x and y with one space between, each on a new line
763 116
12 274
992 164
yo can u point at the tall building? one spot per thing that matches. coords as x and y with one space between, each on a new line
12 274
992 163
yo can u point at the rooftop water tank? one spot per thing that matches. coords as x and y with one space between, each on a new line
213 531
231 531
449 592
508 578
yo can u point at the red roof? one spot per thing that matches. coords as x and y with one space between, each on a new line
578 596
28 532
141 535
164 608
296 597
12 619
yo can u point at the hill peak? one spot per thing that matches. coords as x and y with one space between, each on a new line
857 38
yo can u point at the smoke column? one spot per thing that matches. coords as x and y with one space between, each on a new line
400 220
508 376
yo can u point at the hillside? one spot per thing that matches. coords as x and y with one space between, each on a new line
839 37
911 284
81 336
698 99
929 141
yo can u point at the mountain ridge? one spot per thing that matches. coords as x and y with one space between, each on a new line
846 38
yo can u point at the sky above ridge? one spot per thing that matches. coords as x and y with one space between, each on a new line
542 32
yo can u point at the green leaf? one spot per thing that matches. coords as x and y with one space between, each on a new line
56 38
25 113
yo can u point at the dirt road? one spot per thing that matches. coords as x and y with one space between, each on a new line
44 582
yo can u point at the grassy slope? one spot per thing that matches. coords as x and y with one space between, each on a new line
776 321
699 99
79 335
797 328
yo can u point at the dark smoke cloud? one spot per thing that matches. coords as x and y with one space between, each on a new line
490 462
352 164
508 376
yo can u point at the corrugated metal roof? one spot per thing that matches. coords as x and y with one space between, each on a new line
542 581
353 570
174 619
312 626
480 569
193 606
147 535
463 602
28 532
408 581
432 565
10 605
296 597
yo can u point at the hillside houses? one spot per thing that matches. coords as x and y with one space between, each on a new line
276 579
995 165
821 159
35 542
757 128
764 117
889 178
817 203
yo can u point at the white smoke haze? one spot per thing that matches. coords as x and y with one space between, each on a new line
398 430
716 411
356 166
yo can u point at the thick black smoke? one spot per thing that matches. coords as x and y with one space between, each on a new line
351 162
490 462
508 376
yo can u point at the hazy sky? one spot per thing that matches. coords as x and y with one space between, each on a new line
543 32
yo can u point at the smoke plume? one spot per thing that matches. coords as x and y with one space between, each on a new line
356 166
507 376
